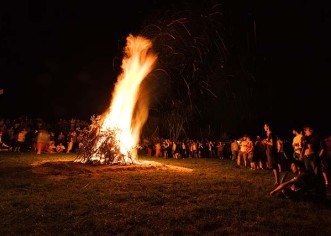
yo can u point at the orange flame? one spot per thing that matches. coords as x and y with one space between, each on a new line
127 113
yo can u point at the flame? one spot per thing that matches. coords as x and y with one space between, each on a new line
126 112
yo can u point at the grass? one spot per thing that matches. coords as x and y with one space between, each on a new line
52 195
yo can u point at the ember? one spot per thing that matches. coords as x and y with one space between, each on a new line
113 136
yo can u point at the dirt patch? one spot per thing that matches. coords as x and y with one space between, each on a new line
63 169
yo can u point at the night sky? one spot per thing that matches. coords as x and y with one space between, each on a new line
61 59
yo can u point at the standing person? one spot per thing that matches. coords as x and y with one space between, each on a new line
220 150
43 138
271 151
201 150
211 150
314 153
20 140
194 146
328 153
158 148
72 138
234 149
173 148
282 157
297 144
250 154
242 155
260 153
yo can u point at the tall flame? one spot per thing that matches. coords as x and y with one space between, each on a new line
127 113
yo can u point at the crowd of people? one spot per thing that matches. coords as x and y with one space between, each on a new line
310 162
25 134
306 154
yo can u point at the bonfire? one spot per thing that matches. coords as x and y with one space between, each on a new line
113 137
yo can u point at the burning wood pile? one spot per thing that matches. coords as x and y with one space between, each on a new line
107 152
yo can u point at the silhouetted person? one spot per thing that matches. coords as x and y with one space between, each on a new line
271 151
304 186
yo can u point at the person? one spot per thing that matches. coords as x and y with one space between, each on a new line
72 138
314 153
250 154
211 149
234 149
220 150
3 145
61 138
173 148
60 148
303 186
43 138
327 159
271 151
20 140
158 152
260 153
296 143
51 147
282 157
243 155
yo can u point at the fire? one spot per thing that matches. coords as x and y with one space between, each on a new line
127 114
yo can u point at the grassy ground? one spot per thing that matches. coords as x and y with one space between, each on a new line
52 195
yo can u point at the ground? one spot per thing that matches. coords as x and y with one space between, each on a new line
62 169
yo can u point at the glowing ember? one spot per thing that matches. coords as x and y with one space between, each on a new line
119 128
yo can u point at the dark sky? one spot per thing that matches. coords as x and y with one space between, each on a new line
295 43
61 58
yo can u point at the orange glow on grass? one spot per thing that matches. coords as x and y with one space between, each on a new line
126 112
